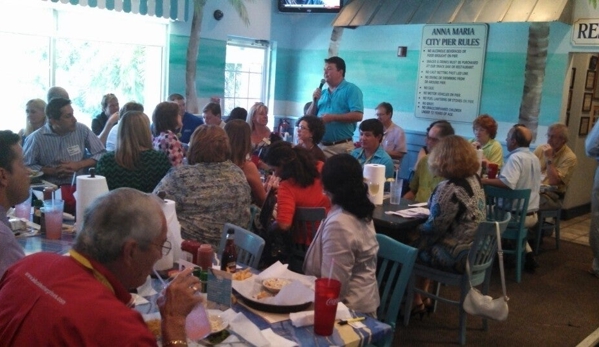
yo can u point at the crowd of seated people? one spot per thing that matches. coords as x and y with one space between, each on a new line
214 180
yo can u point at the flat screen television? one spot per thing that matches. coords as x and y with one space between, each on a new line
310 6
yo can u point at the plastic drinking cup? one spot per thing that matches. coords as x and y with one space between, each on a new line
67 192
23 210
395 189
326 297
492 169
53 218
197 323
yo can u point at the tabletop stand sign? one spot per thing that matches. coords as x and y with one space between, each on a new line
219 288
450 71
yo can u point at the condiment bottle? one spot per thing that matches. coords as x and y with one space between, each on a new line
192 248
205 255
228 261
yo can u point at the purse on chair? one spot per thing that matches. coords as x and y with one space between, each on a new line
477 304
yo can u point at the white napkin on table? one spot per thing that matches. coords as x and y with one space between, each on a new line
243 327
300 319
415 212
277 340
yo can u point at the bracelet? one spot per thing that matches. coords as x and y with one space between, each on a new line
175 342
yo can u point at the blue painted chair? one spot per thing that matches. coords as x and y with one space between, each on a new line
394 268
548 226
481 256
501 201
249 245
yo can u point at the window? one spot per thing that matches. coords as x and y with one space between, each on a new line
246 73
89 52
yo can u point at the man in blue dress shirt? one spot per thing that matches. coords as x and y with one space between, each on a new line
190 122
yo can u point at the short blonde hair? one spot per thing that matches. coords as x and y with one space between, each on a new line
453 157
208 144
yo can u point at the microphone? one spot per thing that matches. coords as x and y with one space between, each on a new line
321 84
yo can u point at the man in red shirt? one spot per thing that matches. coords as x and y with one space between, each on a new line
83 299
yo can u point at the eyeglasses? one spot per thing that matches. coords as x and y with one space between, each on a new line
166 247
302 128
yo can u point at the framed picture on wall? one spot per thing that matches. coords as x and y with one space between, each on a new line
587 101
584 126
569 100
590 81
593 62
567 118
572 78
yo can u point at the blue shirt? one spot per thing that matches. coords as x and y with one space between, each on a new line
190 123
379 157
522 170
46 148
347 97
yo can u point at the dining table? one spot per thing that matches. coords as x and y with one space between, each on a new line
394 226
370 331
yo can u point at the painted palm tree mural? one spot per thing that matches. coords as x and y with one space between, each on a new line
336 35
593 2
194 45
534 75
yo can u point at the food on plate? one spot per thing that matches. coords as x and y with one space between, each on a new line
35 173
216 324
242 275
154 326
274 285
263 294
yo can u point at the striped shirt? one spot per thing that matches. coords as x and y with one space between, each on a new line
46 148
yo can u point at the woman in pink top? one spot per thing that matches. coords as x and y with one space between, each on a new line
167 121
300 184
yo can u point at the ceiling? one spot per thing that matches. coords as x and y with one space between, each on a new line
392 12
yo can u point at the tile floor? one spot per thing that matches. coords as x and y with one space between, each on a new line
576 229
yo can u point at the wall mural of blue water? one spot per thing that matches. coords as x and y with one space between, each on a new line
380 74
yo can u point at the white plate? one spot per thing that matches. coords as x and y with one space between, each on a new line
217 323
36 174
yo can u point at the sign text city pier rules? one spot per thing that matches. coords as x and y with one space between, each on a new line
450 71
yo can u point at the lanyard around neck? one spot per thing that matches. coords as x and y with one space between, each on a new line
86 263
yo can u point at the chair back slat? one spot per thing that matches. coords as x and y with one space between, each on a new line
500 201
484 247
395 262
305 224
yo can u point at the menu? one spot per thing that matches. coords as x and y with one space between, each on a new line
450 71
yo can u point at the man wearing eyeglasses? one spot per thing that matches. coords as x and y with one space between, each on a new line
83 299
557 165
424 181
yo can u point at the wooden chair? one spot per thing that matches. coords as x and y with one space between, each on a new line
305 224
249 245
501 201
481 256
395 262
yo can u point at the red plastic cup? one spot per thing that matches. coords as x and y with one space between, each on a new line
326 297
492 169
66 191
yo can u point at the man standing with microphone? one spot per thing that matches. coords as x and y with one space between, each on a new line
340 106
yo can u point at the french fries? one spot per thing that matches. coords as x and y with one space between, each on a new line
242 275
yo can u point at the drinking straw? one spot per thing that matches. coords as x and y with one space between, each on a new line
331 271
159 277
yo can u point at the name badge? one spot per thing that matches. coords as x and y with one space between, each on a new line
74 150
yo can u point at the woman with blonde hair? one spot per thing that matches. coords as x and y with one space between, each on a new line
134 164
457 206
36 117
211 190
239 134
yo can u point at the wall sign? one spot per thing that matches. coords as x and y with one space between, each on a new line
585 32
450 71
